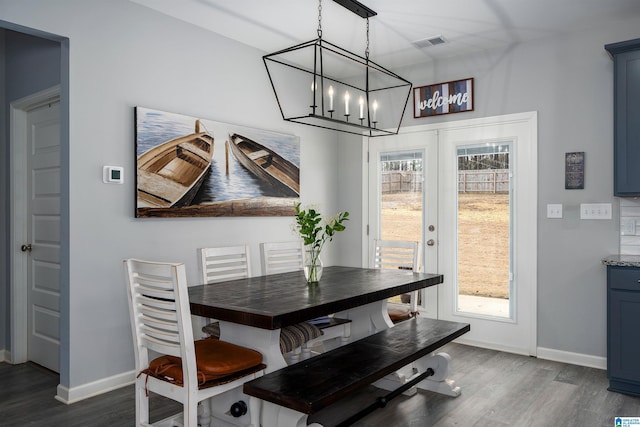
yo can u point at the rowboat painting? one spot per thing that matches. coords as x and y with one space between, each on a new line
279 173
181 172
170 174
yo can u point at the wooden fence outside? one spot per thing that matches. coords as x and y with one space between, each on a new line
470 181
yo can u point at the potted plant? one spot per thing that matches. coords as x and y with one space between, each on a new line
315 232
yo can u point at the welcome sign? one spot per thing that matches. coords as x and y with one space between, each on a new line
443 98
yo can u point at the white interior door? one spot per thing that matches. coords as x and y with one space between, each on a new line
403 190
43 235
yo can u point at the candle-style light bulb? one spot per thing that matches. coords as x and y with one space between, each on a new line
330 98
375 109
361 101
346 103
313 86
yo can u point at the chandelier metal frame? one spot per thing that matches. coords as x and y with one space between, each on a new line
374 83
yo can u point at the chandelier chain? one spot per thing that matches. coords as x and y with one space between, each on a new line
366 51
320 18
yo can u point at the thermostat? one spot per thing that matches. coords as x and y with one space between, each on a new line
112 174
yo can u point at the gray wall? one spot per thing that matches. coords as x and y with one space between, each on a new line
129 55
122 55
568 79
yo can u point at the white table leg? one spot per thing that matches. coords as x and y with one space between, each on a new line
266 341
367 319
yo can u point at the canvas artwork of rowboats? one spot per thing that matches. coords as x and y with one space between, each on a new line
279 173
170 174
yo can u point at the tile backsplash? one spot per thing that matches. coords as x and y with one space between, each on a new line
629 226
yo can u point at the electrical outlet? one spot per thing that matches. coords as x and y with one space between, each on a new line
627 227
554 210
595 210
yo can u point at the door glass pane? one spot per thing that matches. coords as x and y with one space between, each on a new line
484 230
401 200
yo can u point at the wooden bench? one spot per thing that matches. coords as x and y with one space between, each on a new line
291 394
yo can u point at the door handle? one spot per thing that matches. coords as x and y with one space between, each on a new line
26 248
431 242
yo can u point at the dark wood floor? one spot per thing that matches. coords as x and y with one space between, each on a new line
498 390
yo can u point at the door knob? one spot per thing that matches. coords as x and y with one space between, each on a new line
431 242
26 248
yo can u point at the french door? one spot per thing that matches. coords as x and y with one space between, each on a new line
403 193
477 220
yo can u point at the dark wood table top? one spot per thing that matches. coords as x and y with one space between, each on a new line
278 300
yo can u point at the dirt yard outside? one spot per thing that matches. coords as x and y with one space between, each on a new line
483 237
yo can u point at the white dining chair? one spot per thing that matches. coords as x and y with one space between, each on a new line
233 262
283 257
183 370
403 255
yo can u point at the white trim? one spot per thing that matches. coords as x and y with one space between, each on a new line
580 359
19 110
4 355
85 391
492 346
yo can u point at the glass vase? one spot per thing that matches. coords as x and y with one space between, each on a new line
312 265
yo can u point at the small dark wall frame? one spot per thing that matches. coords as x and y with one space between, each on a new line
574 171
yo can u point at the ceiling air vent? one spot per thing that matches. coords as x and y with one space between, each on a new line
429 41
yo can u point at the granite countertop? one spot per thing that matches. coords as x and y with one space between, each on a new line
622 260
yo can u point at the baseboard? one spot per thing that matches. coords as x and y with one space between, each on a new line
572 358
84 391
4 356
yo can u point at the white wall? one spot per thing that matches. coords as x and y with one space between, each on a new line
123 55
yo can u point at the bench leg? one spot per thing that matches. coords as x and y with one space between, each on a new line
398 378
276 415
438 383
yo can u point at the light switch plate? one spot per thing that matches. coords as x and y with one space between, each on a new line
595 210
554 210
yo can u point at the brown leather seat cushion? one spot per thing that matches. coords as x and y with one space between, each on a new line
398 312
214 359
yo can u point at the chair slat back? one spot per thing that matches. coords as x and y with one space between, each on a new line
282 257
159 308
396 254
220 264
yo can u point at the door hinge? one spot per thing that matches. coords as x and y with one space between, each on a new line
367 229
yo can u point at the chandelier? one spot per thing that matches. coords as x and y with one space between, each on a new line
320 84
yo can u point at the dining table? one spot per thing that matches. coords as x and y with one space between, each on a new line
252 311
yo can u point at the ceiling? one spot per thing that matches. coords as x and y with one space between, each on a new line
468 26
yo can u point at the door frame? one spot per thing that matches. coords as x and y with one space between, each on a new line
18 141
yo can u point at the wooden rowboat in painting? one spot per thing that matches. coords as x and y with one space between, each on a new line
170 174
282 175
